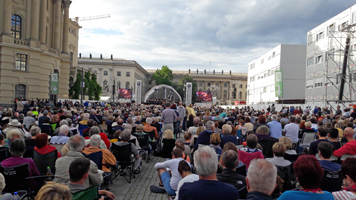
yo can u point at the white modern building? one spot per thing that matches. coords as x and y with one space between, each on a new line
288 58
325 54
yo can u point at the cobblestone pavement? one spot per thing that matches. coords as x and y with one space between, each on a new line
139 188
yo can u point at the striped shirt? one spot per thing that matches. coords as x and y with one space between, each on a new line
344 195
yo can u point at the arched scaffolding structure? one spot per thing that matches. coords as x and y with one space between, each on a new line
168 93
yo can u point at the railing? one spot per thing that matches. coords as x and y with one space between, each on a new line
21 42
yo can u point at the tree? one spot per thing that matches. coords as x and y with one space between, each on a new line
92 89
163 76
179 87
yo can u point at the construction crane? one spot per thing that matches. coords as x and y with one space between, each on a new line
76 19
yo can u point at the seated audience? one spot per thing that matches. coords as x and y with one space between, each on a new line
349 173
195 137
168 143
185 172
79 173
148 128
116 136
42 145
261 180
227 137
13 134
251 152
76 144
309 174
286 141
350 146
30 142
325 150
187 138
62 135
185 148
54 191
215 143
204 137
279 149
170 183
208 186
228 174
6 196
333 136
322 133
108 158
229 146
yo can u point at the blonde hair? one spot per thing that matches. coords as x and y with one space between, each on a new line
199 130
139 128
308 124
226 129
168 134
286 141
54 190
279 149
215 139
2 182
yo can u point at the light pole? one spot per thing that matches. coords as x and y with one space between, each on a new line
81 88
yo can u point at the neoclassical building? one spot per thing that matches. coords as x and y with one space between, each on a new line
38 48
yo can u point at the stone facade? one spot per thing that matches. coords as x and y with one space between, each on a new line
37 38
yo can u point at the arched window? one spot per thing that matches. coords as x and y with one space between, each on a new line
16 26
20 91
127 85
240 95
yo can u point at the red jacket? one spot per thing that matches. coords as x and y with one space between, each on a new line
47 149
246 157
348 148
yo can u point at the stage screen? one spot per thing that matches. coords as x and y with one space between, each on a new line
204 96
125 93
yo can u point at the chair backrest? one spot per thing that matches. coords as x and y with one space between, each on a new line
343 157
241 170
239 147
89 193
142 140
58 146
291 157
82 127
46 129
103 127
133 130
332 181
74 132
308 137
332 158
152 135
122 153
15 178
42 161
133 141
285 173
96 157
4 153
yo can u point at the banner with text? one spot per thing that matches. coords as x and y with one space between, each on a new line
278 77
54 83
188 93
138 91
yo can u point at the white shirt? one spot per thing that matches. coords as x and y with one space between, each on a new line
188 179
193 130
344 195
292 131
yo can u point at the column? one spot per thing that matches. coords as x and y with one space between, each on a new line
57 23
35 19
65 45
7 17
43 22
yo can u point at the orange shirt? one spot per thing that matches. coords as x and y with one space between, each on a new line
149 128
108 157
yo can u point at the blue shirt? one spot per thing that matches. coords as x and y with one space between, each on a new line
327 164
203 138
59 139
275 129
223 115
298 195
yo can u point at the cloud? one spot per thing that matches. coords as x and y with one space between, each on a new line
187 34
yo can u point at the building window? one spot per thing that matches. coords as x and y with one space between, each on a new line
20 91
240 95
21 62
225 84
200 84
150 82
320 36
105 73
95 71
118 73
273 54
310 61
318 85
217 85
127 74
319 59
240 85
225 94
16 26
127 85
209 84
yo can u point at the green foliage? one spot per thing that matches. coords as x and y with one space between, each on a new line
92 89
163 76
180 86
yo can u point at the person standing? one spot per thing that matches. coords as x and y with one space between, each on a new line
182 112
168 117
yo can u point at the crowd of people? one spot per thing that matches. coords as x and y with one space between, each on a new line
232 153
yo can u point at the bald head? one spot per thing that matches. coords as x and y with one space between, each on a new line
348 132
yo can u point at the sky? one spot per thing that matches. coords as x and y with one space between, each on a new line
197 34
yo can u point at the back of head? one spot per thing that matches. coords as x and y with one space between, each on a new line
35 130
2 182
348 168
279 149
139 128
78 168
95 140
226 129
177 152
205 161
209 125
63 122
196 121
215 139
41 140
230 159
292 119
90 123
54 190
348 132
286 141
86 116
262 176
183 166
334 133
274 117
167 105
168 134
17 148
263 130
125 135
252 141
76 143
326 149
308 124
149 120
323 132
94 130
308 171
64 129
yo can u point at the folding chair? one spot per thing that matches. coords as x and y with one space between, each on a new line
143 140
4 153
58 146
345 156
332 158
241 170
43 161
308 137
291 157
81 128
332 181
123 155
89 193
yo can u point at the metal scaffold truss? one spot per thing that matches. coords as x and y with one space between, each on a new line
340 73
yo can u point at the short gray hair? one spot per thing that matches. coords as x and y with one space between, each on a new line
274 117
11 133
263 130
128 126
95 140
226 129
262 176
125 135
17 148
64 129
63 122
69 121
148 120
196 120
230 159
209 125
76 143
94 130
35 130
86 116
205 161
